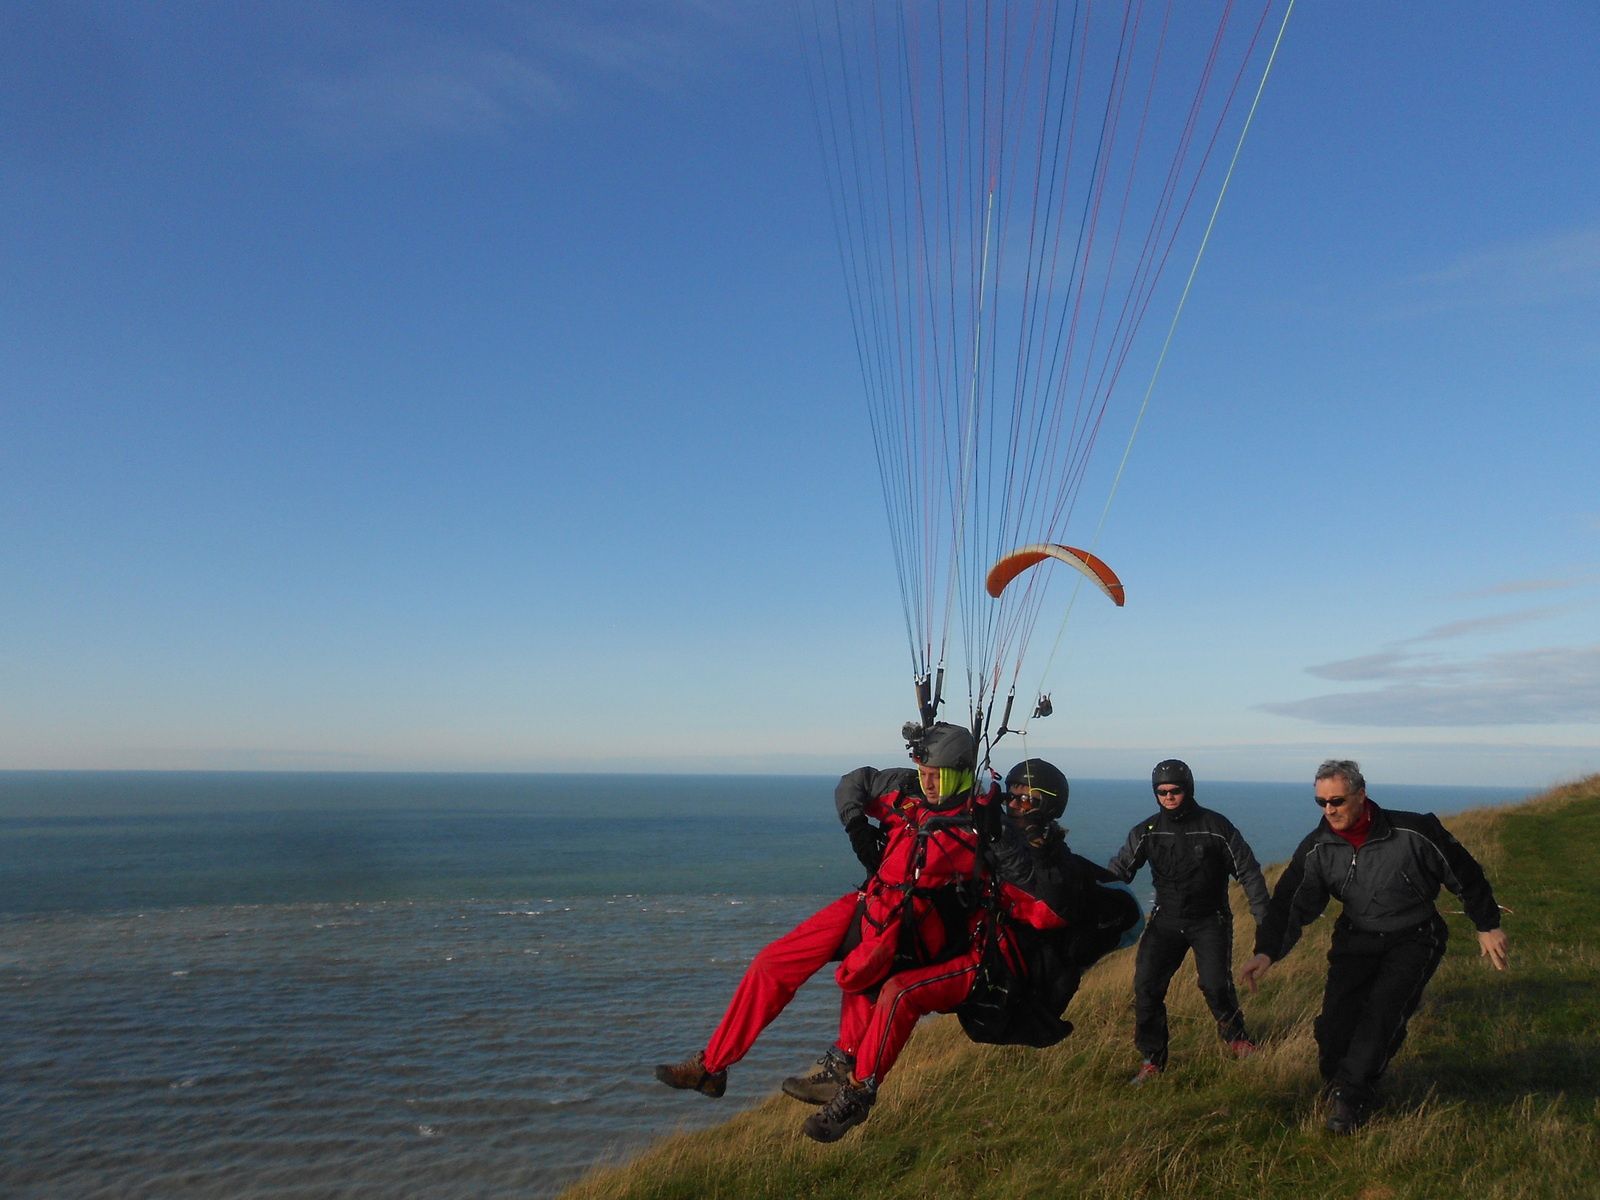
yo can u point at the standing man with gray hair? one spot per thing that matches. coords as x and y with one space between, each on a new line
1386 866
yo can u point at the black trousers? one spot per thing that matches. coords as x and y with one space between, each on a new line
1166 940
1375 983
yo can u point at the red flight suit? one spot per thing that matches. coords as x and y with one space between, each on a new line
910 869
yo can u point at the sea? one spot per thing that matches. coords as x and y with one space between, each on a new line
253 985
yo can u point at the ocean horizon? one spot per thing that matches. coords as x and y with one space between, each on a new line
317 984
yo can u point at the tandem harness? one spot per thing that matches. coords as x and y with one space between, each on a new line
951 903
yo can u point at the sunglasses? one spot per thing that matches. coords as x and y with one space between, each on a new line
1332 801
1169 791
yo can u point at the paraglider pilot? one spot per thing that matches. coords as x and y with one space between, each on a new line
883 813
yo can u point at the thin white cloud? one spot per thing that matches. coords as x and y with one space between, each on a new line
1372 668
1384 665
1525 273
433 91
504 67
648 52
1549 686
658 44
1472 625
1397 663
1518 587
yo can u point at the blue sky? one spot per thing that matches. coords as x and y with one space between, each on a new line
470 387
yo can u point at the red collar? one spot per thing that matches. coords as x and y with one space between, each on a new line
1356 835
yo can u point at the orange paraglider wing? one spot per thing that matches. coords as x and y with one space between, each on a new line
1019 560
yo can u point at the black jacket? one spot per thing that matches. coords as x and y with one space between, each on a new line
1389 884
1191 852
1025 1008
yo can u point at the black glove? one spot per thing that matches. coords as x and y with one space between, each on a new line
868 841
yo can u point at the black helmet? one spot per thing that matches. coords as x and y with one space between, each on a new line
943 745
1044 778
1173 770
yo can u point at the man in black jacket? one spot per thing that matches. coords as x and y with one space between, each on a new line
1191 851
1387 867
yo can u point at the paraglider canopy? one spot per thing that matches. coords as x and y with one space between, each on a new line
1019 560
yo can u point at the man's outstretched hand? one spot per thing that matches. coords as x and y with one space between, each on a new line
1252 972
1492 945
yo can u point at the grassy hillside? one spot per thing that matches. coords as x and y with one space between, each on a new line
1496 1093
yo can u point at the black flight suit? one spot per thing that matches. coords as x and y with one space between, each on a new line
1191 851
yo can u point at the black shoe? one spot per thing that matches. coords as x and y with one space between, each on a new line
1344 1115
823 1084
693 1076
850 1106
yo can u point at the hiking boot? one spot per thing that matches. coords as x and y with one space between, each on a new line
1242 1047
1344 1115
850 1106
1146 1072
823 1084
693 1076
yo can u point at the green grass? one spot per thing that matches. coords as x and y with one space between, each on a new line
1496 1093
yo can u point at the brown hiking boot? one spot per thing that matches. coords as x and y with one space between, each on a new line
693 1076
823 1084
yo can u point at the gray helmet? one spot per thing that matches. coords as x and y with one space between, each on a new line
942 745
1044 778
1173 770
